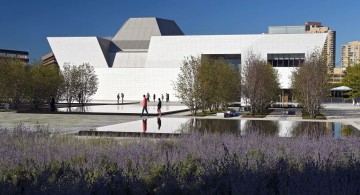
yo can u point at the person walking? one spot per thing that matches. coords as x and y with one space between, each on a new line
122 97
167 97
79 97
52 103
118 98
159 107
162 97
148 96
154 97
144 105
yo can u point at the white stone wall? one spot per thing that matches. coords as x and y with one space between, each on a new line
169 51
155 71
135 82
78 50
130 60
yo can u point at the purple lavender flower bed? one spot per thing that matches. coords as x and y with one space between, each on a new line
160 127
39 162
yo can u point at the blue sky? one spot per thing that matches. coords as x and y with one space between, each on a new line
24 25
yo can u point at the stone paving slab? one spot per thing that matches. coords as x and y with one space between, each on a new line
65 123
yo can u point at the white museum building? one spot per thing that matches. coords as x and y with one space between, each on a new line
146 54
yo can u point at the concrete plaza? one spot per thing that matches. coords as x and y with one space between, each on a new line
70 123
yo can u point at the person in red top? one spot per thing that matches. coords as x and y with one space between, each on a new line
144 105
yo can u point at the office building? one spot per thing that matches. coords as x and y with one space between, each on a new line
22 55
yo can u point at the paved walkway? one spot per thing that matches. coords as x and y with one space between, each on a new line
69 123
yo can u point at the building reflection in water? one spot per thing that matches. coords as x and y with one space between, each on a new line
236 127
267 127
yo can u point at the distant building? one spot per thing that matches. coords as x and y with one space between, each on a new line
330 44
146 54
22 55
338 75
312 27
350 54
49 59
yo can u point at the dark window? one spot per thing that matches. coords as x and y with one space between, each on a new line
281 63
286 60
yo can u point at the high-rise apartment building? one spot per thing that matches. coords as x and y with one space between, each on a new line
312 27
330 44
350 54
49 59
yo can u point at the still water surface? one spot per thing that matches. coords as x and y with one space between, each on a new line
238 127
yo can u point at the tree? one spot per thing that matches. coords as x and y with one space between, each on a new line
352 80
44 80
88 83
219 83
78 80
260 83
13 80
310 83
187 86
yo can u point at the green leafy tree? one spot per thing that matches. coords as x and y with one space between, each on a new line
219 83
352 80
78 80
44 80
187 86
13 80
260 83
88 83
310 83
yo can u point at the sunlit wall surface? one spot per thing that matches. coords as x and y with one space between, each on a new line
149 60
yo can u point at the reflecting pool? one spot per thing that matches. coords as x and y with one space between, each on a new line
177 126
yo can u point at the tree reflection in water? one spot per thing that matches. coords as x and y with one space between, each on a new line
313 129
270 128
211 126
263 127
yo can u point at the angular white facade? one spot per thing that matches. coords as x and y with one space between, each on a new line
152 64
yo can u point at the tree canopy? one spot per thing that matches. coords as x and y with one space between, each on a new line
310 83
352 80
260 84
80 83
207 84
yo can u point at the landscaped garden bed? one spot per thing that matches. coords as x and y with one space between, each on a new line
37 161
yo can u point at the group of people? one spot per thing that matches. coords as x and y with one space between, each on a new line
154 97
118 98
144 106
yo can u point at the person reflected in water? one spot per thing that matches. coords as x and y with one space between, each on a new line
144 125
159 122
159 107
